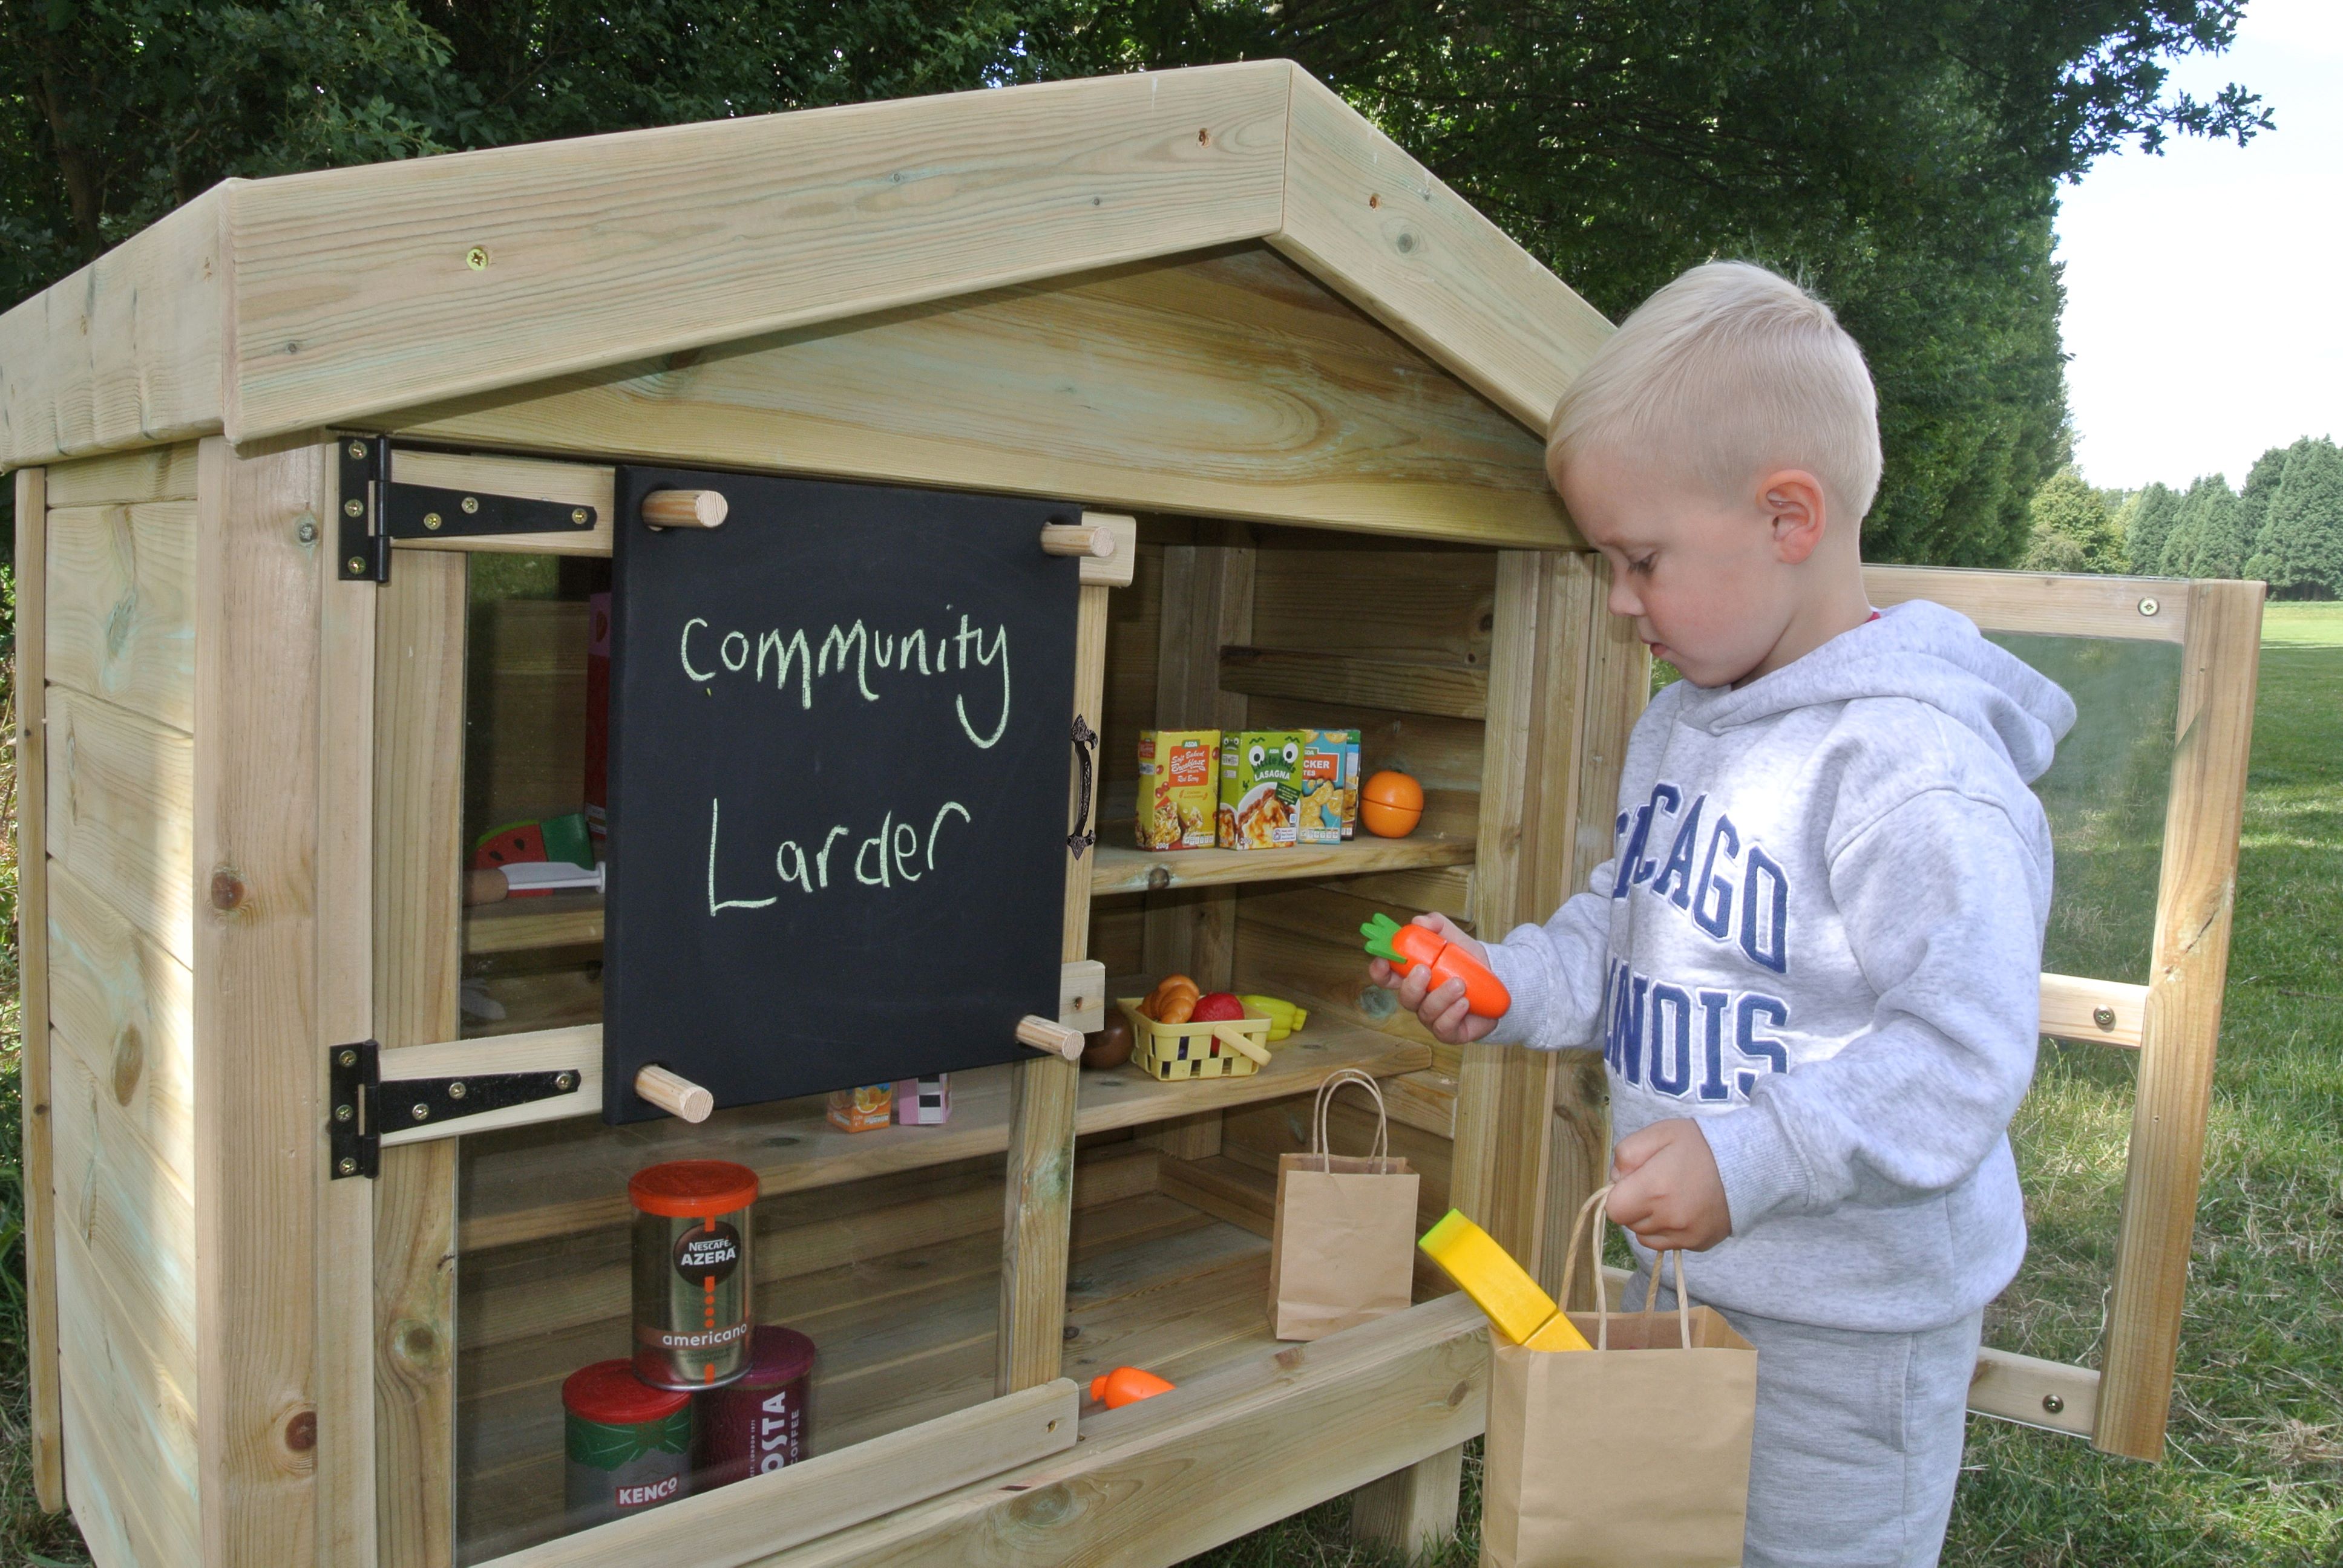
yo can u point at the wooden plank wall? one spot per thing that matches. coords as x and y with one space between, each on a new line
118 642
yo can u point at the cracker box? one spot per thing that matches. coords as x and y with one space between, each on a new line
1329 806
1176 792
1260 778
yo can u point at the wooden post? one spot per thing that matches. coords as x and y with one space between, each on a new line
258 1110
419 887
345 977
1408 1512
33 972
2195 891
1037 1202
1616 684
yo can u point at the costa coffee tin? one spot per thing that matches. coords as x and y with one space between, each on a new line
757 1421
691 1269
629 1444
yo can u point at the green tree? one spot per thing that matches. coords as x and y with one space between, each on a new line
1908 172
2254 496
2071 530
2205 541
2300 551
2146 523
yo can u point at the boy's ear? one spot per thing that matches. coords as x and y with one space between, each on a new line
1792 502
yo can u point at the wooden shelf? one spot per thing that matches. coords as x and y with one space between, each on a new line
560 1178
523 925
1121 869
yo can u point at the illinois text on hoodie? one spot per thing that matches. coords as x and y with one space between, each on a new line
1820 934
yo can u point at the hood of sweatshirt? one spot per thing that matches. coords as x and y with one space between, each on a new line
1920 651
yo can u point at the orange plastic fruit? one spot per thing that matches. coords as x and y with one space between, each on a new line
1126 1385
1391 804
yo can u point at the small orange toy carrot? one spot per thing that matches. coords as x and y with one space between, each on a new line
1126 1385
1404 947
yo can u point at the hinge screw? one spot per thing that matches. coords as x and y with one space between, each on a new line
357 566
342 1113
306 531
348 1059
577 515
2053 1404
352 508
456 1089
2105 1016
566 1082
431 521
347 1167
471 505
421 1112
357 449
2149 607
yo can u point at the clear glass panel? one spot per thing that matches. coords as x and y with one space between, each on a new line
533 959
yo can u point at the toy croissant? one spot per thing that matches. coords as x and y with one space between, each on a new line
1404 947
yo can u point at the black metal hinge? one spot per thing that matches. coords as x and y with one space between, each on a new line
364 1107
375 511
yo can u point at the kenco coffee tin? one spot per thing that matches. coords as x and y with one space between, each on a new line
630 1444
693 1233
757 1423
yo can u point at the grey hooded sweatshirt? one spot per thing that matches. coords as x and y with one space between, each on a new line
1820 934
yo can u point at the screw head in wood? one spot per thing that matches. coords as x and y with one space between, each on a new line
357 449
431 521
2149 607
357 566
342 1113
306 531
2105 1016
347 1166
471 504
420 1112
2053 1404
351 508
477 258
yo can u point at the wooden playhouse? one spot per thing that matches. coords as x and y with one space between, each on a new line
319 483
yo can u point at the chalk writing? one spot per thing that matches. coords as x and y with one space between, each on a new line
707 656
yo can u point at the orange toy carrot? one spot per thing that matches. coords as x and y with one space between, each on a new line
1404 947
1126 1385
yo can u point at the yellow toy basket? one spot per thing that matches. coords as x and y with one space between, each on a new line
1170 1051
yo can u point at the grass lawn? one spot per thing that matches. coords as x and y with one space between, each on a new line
2255 1468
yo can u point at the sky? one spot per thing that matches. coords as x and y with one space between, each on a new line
2205 287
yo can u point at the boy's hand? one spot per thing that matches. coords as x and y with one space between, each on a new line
1665 1188
1443 1012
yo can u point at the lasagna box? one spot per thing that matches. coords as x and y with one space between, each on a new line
1261 777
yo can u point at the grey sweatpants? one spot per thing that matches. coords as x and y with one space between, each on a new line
1858 1441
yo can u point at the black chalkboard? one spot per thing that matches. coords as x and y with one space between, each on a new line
841 738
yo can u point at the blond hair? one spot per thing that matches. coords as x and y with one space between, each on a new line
1731 372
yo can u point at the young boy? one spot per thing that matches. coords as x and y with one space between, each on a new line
1812 963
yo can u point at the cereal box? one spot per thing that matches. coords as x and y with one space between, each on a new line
1259 788
1175 787
1329 786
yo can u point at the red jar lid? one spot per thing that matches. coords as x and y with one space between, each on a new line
611 1392
775 1356
693 1189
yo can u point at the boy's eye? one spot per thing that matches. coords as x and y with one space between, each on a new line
1643 564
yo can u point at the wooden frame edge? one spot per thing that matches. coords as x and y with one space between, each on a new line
2043 604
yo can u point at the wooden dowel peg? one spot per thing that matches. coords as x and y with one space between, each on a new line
485 885
674 1093
1076 539
1047 1034
685 508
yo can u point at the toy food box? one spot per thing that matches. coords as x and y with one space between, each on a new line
1329 806
1259 788
1175 787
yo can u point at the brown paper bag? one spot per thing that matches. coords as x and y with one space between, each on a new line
1634 1454
1342 1247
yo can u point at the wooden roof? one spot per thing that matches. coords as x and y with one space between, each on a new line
268 306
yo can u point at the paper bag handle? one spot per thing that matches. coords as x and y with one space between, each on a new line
1603 1297
1320 1143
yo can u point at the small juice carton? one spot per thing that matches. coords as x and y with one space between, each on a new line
1175 787
923 1102
1259 788
1330 783
864 1109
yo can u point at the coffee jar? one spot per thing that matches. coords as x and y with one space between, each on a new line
692 1268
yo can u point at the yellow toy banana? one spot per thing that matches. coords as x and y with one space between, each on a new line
1285 1018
